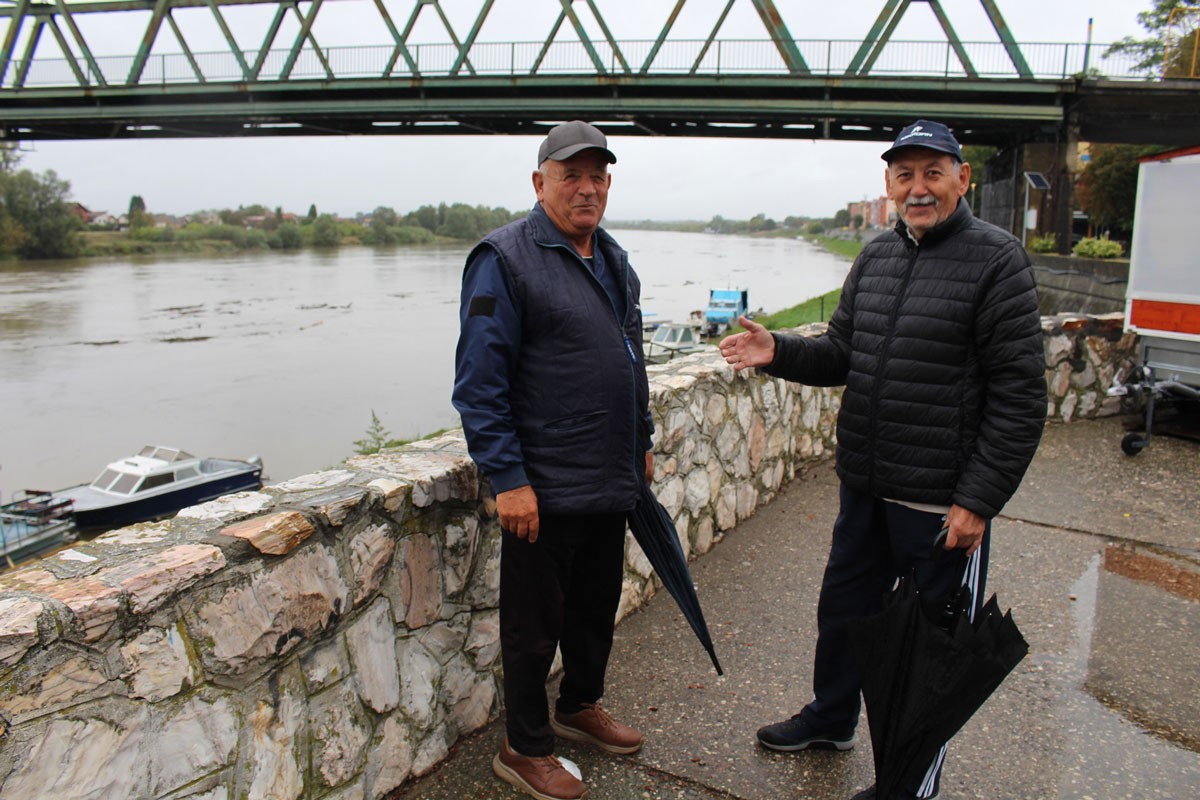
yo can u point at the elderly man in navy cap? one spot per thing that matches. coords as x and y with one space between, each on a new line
937 339
552 390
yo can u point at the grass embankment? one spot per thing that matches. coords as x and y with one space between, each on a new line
817 309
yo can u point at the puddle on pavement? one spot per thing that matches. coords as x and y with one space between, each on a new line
1138 631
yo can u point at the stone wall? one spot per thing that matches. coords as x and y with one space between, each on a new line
1085 285
331 636
1085 354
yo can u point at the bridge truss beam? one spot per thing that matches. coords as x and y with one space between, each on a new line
61 86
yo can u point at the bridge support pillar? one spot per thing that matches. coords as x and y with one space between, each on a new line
1010 201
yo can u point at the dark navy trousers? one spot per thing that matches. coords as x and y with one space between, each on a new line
875 542
561 591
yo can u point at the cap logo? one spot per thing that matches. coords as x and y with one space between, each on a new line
915 132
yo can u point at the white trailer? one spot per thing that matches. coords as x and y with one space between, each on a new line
1162 300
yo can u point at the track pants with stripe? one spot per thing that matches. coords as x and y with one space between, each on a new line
874 543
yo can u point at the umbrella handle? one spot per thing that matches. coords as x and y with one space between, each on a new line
949 611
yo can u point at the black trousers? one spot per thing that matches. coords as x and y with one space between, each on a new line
561 591
874 543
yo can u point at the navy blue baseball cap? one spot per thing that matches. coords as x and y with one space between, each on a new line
930 135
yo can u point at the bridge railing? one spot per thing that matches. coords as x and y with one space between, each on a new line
825 57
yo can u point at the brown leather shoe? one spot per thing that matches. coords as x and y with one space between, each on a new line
594 725
544 777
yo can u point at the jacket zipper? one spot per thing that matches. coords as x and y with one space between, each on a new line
883 357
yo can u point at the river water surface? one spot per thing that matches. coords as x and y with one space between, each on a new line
285 355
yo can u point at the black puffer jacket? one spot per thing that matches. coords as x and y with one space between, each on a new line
939 346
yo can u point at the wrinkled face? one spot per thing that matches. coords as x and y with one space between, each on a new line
925 186
574 192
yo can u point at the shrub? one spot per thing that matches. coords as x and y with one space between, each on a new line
411 234
250 239
1097 248
289 236
152 234
1044 244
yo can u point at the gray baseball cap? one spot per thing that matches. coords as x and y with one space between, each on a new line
569 138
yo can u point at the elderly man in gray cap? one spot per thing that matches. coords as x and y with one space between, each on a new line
938 341
551 387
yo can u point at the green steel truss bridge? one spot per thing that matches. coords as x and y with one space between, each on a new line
99 69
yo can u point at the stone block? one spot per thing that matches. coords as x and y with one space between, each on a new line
420 580
157 664
371 551
274 756
84 758
371 642
389 764
199 738
250 624
92 603
340 734
395 494
18 627
228 508
37 691
336 505
275 534
483 639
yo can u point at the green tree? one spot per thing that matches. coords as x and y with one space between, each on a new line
977 156
326 232
842 218
1107 189
138 218
383 222
36 220
312 213
1152 50
425 217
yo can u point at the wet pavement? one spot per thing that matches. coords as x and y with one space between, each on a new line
1099 557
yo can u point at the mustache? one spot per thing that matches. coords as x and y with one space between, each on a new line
920 201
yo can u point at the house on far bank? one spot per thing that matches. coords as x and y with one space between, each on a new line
877 213
82 211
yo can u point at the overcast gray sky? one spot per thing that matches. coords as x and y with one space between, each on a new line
659 178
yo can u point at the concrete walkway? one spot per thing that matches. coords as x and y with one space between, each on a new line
1099 557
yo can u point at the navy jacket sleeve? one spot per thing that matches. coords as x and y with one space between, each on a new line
489 343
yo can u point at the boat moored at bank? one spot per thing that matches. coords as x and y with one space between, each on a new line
156 483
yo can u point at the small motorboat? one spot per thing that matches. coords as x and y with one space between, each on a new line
34 521
672 339
156 483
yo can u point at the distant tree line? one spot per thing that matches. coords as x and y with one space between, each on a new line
258 227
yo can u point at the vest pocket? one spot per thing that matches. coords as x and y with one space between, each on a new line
576 423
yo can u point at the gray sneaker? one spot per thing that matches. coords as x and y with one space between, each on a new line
795 734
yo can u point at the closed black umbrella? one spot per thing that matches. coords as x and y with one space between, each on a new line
655 532
925 669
